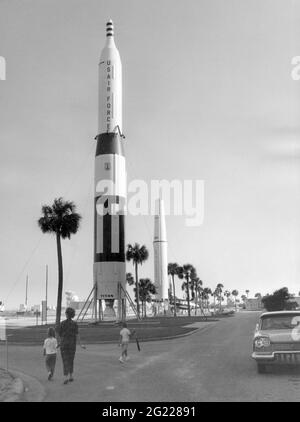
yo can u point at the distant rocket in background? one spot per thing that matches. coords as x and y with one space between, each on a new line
160 245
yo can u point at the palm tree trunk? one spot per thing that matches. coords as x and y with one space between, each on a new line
60 281
137 289
174 296
196 298
188 297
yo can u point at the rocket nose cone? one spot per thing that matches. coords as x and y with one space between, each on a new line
110 28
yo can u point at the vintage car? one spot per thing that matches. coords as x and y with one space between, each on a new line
277 339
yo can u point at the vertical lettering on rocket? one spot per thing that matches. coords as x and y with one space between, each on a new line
2 69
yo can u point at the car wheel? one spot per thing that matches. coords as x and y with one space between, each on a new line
261 368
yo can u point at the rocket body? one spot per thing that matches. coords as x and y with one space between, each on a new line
110 177
160 246
110 85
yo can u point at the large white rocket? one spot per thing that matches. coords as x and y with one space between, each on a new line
110 178
160 245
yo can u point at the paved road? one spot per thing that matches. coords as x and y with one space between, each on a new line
213 364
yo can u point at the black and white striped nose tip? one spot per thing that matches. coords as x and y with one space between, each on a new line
110 29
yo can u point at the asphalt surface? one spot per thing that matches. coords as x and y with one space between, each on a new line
212 364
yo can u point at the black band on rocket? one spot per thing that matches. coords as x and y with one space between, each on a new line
107 255
109 143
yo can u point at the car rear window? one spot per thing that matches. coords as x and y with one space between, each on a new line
280 322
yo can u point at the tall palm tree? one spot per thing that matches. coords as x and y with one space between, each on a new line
218 291
173 268
235 293
137 254
227 294
62 220
146 289
187 272
196 290
213 295
201 297
206 293
247 293
193 285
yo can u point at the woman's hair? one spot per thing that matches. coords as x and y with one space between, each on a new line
124 324
70 313
51 332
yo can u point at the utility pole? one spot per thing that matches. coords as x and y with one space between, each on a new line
26 294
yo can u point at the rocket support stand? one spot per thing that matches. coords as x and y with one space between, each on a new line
95 303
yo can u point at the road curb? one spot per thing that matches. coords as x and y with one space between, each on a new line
32 389
16 390
191 332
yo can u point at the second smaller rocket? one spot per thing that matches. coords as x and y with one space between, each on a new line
160 245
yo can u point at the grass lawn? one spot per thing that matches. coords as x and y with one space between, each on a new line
146 329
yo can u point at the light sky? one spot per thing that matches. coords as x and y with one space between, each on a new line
207 94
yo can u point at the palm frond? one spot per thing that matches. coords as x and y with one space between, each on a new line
60 218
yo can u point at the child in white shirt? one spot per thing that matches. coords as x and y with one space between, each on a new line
50 346
124 340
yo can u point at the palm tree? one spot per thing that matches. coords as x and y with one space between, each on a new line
137 254
213 294
172 271
146 289
129 279
206 293
227 294
247 293
218 291
62 220
187 272
235 293
196 291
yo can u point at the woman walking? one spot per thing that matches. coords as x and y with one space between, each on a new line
68 334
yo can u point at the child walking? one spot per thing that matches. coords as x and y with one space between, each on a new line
50 346
124 340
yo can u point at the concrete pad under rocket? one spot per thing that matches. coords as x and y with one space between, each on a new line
160 246
110 176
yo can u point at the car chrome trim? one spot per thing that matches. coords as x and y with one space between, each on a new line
258 356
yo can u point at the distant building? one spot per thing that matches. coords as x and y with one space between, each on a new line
230 303
254 304
70 298
36 308
77 305
22 308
